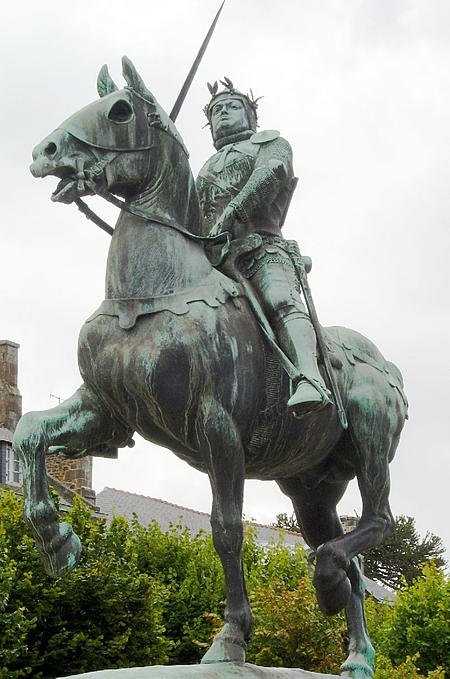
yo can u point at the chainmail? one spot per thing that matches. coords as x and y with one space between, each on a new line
252 184
265 182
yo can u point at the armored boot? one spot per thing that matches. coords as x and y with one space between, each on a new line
298 340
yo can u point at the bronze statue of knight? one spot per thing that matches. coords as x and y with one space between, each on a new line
174 354
246 188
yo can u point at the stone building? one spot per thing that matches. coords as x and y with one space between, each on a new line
66 476
114 502
10 412
349 523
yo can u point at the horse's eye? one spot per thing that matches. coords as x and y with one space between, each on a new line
120 112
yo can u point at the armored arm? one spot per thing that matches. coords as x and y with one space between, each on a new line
273 167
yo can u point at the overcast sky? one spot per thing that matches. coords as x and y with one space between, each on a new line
360 88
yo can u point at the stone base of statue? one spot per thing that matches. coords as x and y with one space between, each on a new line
226 670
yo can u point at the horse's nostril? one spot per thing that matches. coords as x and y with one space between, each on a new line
50 149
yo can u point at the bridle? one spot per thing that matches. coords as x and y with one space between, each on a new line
85 179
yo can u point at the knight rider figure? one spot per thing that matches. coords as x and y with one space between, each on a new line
245 188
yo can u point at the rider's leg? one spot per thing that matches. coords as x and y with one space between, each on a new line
277 287
298 339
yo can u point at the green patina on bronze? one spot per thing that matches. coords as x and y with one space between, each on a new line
176 352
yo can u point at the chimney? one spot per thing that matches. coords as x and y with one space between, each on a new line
10 398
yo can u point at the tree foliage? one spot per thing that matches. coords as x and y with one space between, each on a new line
287 522
401 557
105 613
141 596
290 631
406 670
418 623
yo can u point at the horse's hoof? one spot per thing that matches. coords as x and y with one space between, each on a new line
227 646
333 587
360 665
62 553
356 670
331 601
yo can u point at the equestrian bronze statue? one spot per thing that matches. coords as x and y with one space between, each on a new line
176 352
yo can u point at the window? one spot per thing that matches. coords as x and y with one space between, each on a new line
11 465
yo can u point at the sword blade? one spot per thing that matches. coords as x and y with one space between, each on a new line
190 76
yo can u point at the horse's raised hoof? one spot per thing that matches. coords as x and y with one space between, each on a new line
227 646
63 552
333 600
333 587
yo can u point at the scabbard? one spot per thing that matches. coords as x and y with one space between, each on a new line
297 260
287 364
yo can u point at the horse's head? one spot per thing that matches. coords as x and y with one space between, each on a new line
121 143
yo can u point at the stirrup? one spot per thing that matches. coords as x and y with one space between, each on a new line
305 407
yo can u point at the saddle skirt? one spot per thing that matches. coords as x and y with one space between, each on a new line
214 289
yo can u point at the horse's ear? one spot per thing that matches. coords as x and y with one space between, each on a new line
105 84
134 80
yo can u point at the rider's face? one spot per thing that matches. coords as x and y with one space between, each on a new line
228 116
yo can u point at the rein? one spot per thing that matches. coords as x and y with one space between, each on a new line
223 238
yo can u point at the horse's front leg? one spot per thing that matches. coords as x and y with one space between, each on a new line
224 456
78 423
360 663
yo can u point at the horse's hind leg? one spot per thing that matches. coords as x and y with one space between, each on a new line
376 416
317 516
223 453
77 424
375 425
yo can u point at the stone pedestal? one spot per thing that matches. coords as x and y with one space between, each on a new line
216 671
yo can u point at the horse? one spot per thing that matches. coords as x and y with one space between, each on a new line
175 353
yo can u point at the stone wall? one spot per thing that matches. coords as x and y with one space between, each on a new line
75 474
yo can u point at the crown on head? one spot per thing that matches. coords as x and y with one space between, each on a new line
249 101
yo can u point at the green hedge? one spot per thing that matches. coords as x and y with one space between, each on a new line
141 597
416 629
